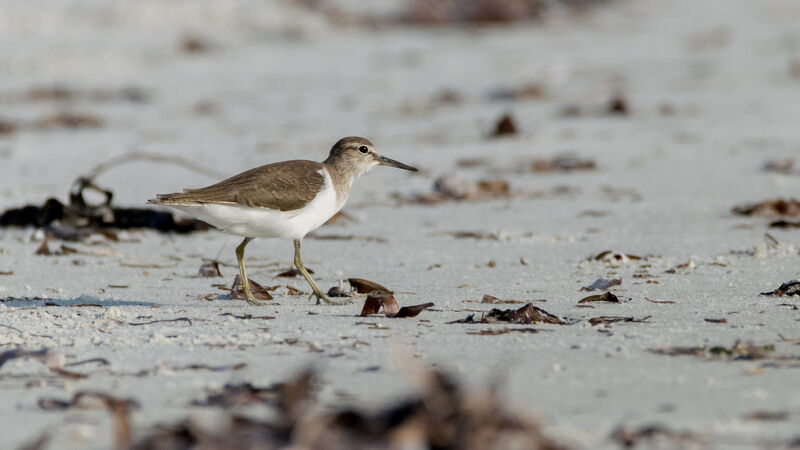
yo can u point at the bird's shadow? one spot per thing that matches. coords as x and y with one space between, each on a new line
82 301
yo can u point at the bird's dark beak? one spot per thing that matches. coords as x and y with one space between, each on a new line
384 161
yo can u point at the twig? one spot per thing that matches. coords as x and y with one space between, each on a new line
154 157
23 332
101 361
179 319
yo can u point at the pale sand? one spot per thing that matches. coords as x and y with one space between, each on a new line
290 91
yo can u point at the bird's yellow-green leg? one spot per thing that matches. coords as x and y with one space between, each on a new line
248 295
317 292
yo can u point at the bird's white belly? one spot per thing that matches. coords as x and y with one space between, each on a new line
264 222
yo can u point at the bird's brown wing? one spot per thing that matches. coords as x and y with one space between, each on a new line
283 186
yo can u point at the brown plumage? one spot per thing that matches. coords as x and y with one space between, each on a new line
284 186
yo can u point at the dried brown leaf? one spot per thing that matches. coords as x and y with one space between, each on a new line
618 105
7 127
119 408
237 290
741 350
494 300
604 297
234 395
660 302
291 290
562 164
248 316
495 332
178 319
363 286
790 288
441 415
650 436
769 208
505 126
412 311
723 320
376 302
293 272
530 91
784 224
766 416
193 45
473 235
69 120
607 320
525 314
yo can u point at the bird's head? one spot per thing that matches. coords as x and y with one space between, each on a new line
358 156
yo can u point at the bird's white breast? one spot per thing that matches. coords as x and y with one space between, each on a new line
264 222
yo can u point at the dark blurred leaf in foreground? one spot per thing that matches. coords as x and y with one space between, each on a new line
442 415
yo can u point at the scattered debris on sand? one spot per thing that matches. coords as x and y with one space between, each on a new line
656 436
505 126
494 300
83 215
614 259
527 91
769 208
608 320
741 350
524 315
69 120
784 166
616 105
477 12
790 288
604 297
562 164
451 188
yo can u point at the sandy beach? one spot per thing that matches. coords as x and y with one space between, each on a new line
638 128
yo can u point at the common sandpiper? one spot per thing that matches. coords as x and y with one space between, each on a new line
282 200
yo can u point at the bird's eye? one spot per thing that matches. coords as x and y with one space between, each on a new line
363 149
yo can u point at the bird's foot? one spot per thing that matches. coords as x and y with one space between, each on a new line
320 296
254 302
